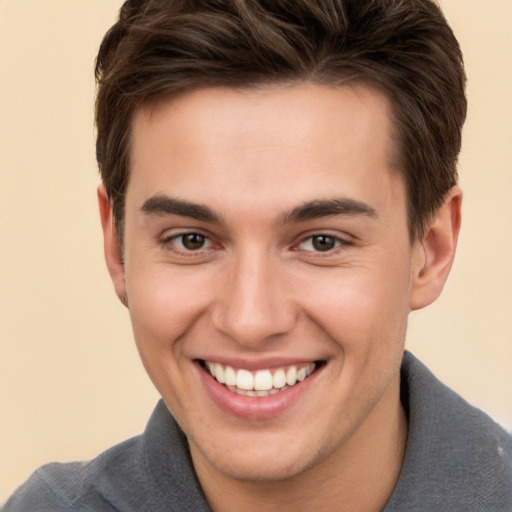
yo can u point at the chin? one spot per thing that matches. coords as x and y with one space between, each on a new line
269 470
266 460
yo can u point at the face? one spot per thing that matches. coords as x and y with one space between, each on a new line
266 243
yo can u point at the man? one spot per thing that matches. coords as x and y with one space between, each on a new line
279 192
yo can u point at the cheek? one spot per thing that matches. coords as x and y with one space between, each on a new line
163 305
164 309
362 308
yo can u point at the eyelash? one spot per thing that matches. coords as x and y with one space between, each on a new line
178 239
339 244
172 241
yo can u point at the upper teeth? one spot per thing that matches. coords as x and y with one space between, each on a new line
261 380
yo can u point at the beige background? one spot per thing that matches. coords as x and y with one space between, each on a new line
70 380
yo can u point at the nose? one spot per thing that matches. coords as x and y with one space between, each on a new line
253 306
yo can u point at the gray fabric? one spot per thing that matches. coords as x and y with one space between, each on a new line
148 473
457 459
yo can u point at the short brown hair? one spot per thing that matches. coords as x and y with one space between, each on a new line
159 47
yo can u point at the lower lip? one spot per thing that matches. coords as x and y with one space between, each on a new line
254 408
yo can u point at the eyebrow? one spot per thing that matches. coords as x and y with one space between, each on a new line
327 208
165 205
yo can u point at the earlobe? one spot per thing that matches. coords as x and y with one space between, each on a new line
113 254
434 254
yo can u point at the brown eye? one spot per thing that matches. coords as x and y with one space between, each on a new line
189 244
193 241
323 242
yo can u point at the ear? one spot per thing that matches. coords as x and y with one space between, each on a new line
113 254
434 254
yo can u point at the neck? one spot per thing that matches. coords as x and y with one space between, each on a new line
358 476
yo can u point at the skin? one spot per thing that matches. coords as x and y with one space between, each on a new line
260 293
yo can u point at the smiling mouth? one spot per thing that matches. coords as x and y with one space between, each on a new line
259 383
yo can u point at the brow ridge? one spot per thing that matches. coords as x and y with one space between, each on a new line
327 208
165 205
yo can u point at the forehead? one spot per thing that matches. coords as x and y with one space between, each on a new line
206 114
284 143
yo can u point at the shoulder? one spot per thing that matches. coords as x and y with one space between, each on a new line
76 486
40 492
457 457
152 472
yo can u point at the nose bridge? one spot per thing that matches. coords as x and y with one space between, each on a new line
253 304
